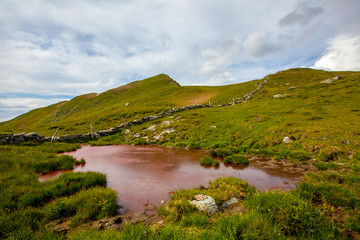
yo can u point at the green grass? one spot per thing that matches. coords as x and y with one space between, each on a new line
237 159
209 161
322 121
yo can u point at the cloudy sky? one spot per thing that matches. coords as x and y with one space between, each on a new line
55 50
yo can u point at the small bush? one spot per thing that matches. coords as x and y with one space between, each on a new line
223 152
237 159
206 161
209 161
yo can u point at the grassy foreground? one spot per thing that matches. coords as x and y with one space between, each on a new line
324 206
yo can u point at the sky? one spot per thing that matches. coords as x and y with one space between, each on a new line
54 50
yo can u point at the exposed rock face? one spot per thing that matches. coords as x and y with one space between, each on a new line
205 203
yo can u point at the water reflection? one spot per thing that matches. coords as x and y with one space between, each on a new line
150 173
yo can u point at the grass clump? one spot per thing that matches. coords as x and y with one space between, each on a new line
236 159
294 216
209 161
95 203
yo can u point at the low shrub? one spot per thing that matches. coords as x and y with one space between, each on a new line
237 159
223 152
209 161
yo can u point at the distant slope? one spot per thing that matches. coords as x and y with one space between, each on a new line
319 118
125 103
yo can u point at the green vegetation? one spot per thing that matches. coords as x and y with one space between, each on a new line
27 205
237 159
320 120
209 161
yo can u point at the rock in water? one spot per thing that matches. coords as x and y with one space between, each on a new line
205 203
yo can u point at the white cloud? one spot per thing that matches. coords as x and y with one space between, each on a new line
342 54
12 107
82 46
259 43
220 79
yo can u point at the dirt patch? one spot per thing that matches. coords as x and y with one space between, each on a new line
61 104
298 169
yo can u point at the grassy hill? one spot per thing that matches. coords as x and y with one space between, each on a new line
321 121
110 108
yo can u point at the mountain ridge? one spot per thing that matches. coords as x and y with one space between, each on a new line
150 96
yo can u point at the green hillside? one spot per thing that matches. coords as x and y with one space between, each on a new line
110 108
302 120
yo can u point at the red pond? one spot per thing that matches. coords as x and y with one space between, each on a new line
143 174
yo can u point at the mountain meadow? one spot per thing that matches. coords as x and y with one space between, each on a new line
305 120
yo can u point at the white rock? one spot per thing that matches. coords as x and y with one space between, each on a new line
151 128
279 95
286 139
165 123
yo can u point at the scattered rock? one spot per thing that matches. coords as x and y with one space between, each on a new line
331 80
292 88
206 203
151 128
278 96
286 139
137 135
127 131
127 104
229 202
165 123
213 126
168 130
63 227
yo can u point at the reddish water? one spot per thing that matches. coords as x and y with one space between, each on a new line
151 173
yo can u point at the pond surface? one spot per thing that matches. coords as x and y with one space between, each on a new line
142 174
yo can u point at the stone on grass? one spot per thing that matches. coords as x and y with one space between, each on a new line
286 139
205 203
229 202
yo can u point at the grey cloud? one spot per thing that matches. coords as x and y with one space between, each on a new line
302 15
259 44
